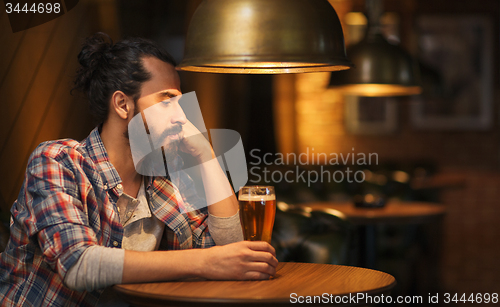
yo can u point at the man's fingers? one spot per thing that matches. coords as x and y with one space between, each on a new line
262 267
261 246
264 257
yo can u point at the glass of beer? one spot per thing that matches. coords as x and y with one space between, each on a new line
257 211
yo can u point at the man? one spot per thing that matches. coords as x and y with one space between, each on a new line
85 219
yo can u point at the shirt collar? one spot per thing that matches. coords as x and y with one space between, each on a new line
99 155
176 165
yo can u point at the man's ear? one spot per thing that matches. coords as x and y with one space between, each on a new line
122 104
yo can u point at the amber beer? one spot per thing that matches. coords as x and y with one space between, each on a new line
257 211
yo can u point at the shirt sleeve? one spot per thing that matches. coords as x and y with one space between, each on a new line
225 230
54 214
98 267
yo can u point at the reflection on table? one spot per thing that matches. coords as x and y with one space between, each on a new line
292 281
392 212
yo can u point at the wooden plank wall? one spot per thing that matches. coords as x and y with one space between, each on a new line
36 71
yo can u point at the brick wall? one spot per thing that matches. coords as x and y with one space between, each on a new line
472 234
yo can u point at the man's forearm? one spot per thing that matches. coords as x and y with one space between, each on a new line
93 271
160 265
219 193
238 261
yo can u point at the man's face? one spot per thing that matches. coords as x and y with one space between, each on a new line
163 85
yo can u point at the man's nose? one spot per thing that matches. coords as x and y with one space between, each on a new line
178 115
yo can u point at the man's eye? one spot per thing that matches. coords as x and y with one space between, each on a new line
166 101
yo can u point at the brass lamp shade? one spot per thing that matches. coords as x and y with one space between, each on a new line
382 69
264 37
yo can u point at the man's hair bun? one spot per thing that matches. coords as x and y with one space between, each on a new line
91 56
94 50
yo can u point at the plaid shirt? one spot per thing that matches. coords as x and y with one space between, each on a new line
68 201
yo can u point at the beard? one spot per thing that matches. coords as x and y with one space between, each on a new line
170 151
169 148
159 161
165 151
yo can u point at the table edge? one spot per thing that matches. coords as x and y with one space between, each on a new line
137 294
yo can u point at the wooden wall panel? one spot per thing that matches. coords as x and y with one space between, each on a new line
35 95
39 97
59 112
10 44
21 74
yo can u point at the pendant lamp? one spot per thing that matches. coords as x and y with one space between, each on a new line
264 37
381 68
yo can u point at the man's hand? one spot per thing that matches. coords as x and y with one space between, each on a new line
240 261
194 143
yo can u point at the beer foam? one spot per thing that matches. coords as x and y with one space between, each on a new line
247 197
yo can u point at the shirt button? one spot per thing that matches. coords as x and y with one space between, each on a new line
119 186
115 243
129 214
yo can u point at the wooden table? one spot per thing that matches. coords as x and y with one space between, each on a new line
392 212
304 279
